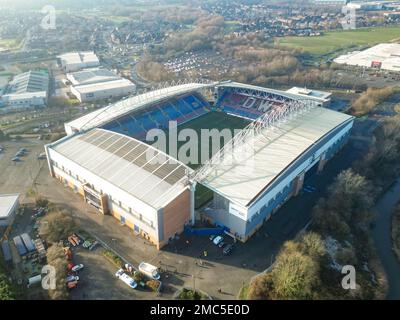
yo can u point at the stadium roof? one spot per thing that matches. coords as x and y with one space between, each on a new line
7 202
106 114
92 76
315 94
107 85
275 151
261 89
129 164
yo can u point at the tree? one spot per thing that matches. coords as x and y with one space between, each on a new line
261 288
294 276
6 291
56 258
57 226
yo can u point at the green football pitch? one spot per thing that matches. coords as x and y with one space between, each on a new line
201 126
209 121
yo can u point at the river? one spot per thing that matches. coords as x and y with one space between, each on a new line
383 241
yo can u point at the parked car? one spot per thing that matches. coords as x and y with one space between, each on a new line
149 270
218 240
120 274
212 237
15 159
72 284
42 156
72 278
228 249
77 267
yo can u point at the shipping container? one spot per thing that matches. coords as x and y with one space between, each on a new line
20 246
28 242
6 251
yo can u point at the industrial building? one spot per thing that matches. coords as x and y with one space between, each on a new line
74 61
385 56
29 89
106 158
103 90
90 76
9 204
99 84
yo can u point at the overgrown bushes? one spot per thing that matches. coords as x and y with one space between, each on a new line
113 258
370 99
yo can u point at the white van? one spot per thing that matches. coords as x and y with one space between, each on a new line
149 270
34 280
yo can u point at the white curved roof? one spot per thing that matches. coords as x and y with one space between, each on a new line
129 164
269 154
106 114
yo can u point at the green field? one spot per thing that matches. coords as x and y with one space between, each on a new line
333 41
211 120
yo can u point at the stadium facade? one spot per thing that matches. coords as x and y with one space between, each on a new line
105 157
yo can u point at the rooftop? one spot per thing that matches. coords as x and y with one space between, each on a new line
107 85
275 150
31 81
388 54
78 57
322 95
131 165
7 202
92 76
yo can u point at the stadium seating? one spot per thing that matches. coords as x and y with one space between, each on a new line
246 106
180 109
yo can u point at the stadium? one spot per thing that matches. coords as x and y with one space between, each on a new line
281 136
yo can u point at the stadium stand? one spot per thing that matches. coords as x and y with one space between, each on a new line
180 109
246 106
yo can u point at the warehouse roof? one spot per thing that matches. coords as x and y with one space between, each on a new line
7 203
92 76
131 165
78 57
106 114
386 54
275 149
31 81
101 86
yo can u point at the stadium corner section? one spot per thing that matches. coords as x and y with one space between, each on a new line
110 171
